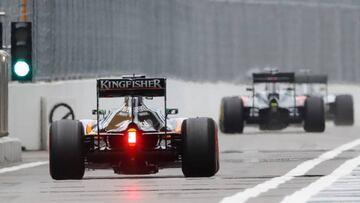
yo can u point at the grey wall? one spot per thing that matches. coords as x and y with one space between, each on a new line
202 40
29 122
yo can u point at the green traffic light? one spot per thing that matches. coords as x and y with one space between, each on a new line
21 68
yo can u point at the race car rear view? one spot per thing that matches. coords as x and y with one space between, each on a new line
134 138
339 108
272 105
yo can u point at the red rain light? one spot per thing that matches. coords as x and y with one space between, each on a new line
132 134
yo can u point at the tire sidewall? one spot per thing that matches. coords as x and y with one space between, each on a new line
314 114
66 150
344 110
200 156
231 115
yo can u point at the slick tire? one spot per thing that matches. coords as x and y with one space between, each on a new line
344 110
66 150
314 115
231 115
200 151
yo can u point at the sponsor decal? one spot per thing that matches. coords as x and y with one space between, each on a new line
130 84
269 77
127 87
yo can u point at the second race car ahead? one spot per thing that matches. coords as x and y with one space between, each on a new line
272 105
134 138
339 108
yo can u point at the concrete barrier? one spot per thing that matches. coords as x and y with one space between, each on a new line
30 104
10 148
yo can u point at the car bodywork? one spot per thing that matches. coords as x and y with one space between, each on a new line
272 103
107 140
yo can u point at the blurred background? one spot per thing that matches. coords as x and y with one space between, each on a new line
206 48
197 40
54 50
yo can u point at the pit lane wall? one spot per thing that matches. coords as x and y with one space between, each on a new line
30 104
10 147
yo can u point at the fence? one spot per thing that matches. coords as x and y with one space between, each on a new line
202 40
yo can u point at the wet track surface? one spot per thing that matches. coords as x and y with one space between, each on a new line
246 161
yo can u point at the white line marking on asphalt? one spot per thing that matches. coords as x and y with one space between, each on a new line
299 170
23 166
304 194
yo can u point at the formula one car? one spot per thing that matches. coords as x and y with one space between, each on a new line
135 138
272 106
339 108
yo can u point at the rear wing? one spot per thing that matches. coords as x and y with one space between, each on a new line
273 77
130 86
148 87
304 78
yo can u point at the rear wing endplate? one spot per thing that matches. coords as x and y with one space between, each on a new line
148 87
273 77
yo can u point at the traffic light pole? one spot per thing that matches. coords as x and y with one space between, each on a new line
21 47
23 10
4 63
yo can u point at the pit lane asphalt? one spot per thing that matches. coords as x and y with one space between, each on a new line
246 160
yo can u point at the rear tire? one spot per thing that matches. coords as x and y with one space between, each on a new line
314 115
200 151
231 115
66 150
344 110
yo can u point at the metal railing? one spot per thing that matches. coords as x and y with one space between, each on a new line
4 58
